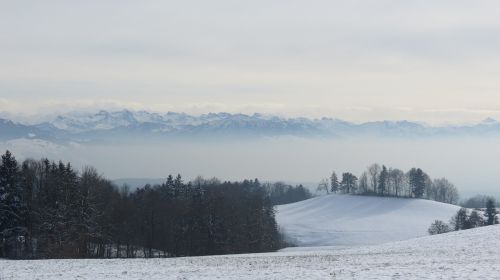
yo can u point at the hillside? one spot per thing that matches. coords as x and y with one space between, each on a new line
346 220
468 254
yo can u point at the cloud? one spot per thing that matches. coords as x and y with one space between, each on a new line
356 59
48 109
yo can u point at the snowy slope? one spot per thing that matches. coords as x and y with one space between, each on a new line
470 254
346 220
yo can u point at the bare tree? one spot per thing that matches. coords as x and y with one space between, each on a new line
374 171
363 183
396 179
444 191
323 186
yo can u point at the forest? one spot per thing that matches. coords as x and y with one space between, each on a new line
382 181
49 210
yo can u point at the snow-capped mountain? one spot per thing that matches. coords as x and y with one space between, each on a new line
175 124
10 130
102 120
218 122
102 125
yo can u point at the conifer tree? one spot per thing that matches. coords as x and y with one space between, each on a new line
461 220
491 212
417 182
475 220
12 208
382 180
334 183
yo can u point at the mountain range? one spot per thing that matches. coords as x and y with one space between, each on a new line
124 124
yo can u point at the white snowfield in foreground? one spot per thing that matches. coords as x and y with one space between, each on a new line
351 220
470 254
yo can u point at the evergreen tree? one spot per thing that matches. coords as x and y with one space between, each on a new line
12 209
475 220
461 220
382 180
334 183
417 182
178 187
348 184
491 212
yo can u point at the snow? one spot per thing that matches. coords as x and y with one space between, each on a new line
350 220
340 226
74 123
470 254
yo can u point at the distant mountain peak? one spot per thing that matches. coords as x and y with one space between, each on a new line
489 121
99 125
5 121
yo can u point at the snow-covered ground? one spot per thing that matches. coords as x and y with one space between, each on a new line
342 229
348 220
470 254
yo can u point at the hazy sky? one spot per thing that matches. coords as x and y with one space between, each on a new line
300 160
434 61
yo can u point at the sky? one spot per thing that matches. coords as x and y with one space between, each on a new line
430 61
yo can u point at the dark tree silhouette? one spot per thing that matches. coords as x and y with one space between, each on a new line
48 210
491 212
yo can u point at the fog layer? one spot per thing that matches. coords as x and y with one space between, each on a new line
470 163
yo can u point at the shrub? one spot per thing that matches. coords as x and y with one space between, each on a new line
438 227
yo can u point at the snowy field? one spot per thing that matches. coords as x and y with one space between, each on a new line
348 220
471 254
336 233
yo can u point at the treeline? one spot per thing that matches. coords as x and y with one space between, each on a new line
464 219
382 181
281 193
478 201
49 210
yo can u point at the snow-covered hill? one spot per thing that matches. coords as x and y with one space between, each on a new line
469 254
347 220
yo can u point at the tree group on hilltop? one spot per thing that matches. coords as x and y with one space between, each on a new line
383 181
478 201
50 210
281 193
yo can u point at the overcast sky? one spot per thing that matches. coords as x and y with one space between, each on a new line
433 61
